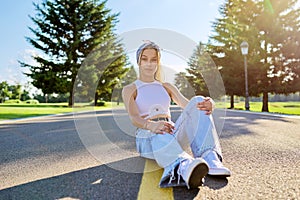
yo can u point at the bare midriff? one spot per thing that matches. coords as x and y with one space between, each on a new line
156 116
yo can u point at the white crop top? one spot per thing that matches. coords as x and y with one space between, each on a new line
152 99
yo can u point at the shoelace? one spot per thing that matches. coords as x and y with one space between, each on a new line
179 175
172 176
178 171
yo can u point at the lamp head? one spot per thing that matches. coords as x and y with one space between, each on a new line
244 47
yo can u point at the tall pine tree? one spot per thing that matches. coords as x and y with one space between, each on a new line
197 66
183 85
66 33
229 31
271 29
278 25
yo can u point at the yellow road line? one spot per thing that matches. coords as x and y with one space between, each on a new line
149 188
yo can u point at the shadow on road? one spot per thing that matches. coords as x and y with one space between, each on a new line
236 123
100 182
215 183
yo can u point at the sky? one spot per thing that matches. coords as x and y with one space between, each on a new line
192 18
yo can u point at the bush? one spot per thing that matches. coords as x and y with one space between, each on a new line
13 101
100 103
32 101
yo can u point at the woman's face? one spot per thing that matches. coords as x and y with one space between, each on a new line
149 62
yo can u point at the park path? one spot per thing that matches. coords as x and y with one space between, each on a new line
44 158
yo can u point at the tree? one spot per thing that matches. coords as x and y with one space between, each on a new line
128 78
67 32
10 91
25 95
107 78
4 92
16 91
279 47
197 65
271 28
234 26
183 85
101 71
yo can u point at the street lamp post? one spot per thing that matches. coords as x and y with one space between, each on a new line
244 49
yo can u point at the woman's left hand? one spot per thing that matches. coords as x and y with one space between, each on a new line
206 105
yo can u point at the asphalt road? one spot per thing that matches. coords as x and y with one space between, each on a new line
53 157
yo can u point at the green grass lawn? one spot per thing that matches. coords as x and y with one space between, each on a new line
291 108
14 111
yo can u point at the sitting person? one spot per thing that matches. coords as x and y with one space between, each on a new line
147 101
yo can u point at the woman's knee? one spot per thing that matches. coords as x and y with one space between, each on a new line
197 99
193 102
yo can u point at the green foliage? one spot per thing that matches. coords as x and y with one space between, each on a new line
183 85
4 92
13 101
100 103
203 74
129 77
272 30
197 65
51 98
32 101
67 32
16 91
110 77
25 95
8 91
18 101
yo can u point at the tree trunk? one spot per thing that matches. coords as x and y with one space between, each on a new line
265 107
96 98
231 101
71 92
119 96
46 98
71 99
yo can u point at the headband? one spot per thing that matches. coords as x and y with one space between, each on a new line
147 45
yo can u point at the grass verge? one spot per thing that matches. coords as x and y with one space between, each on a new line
290 108
15 111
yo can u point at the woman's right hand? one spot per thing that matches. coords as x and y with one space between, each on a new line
160 127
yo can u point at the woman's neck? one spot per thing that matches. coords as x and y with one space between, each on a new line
146 79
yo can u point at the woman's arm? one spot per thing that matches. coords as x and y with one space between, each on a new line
206 105
176 95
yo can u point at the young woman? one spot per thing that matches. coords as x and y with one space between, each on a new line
147 101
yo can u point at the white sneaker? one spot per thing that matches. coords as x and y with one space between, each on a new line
193 171
216 168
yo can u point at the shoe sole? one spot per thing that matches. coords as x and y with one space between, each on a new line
197 175
219 175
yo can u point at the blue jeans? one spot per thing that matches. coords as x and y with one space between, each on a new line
193 129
